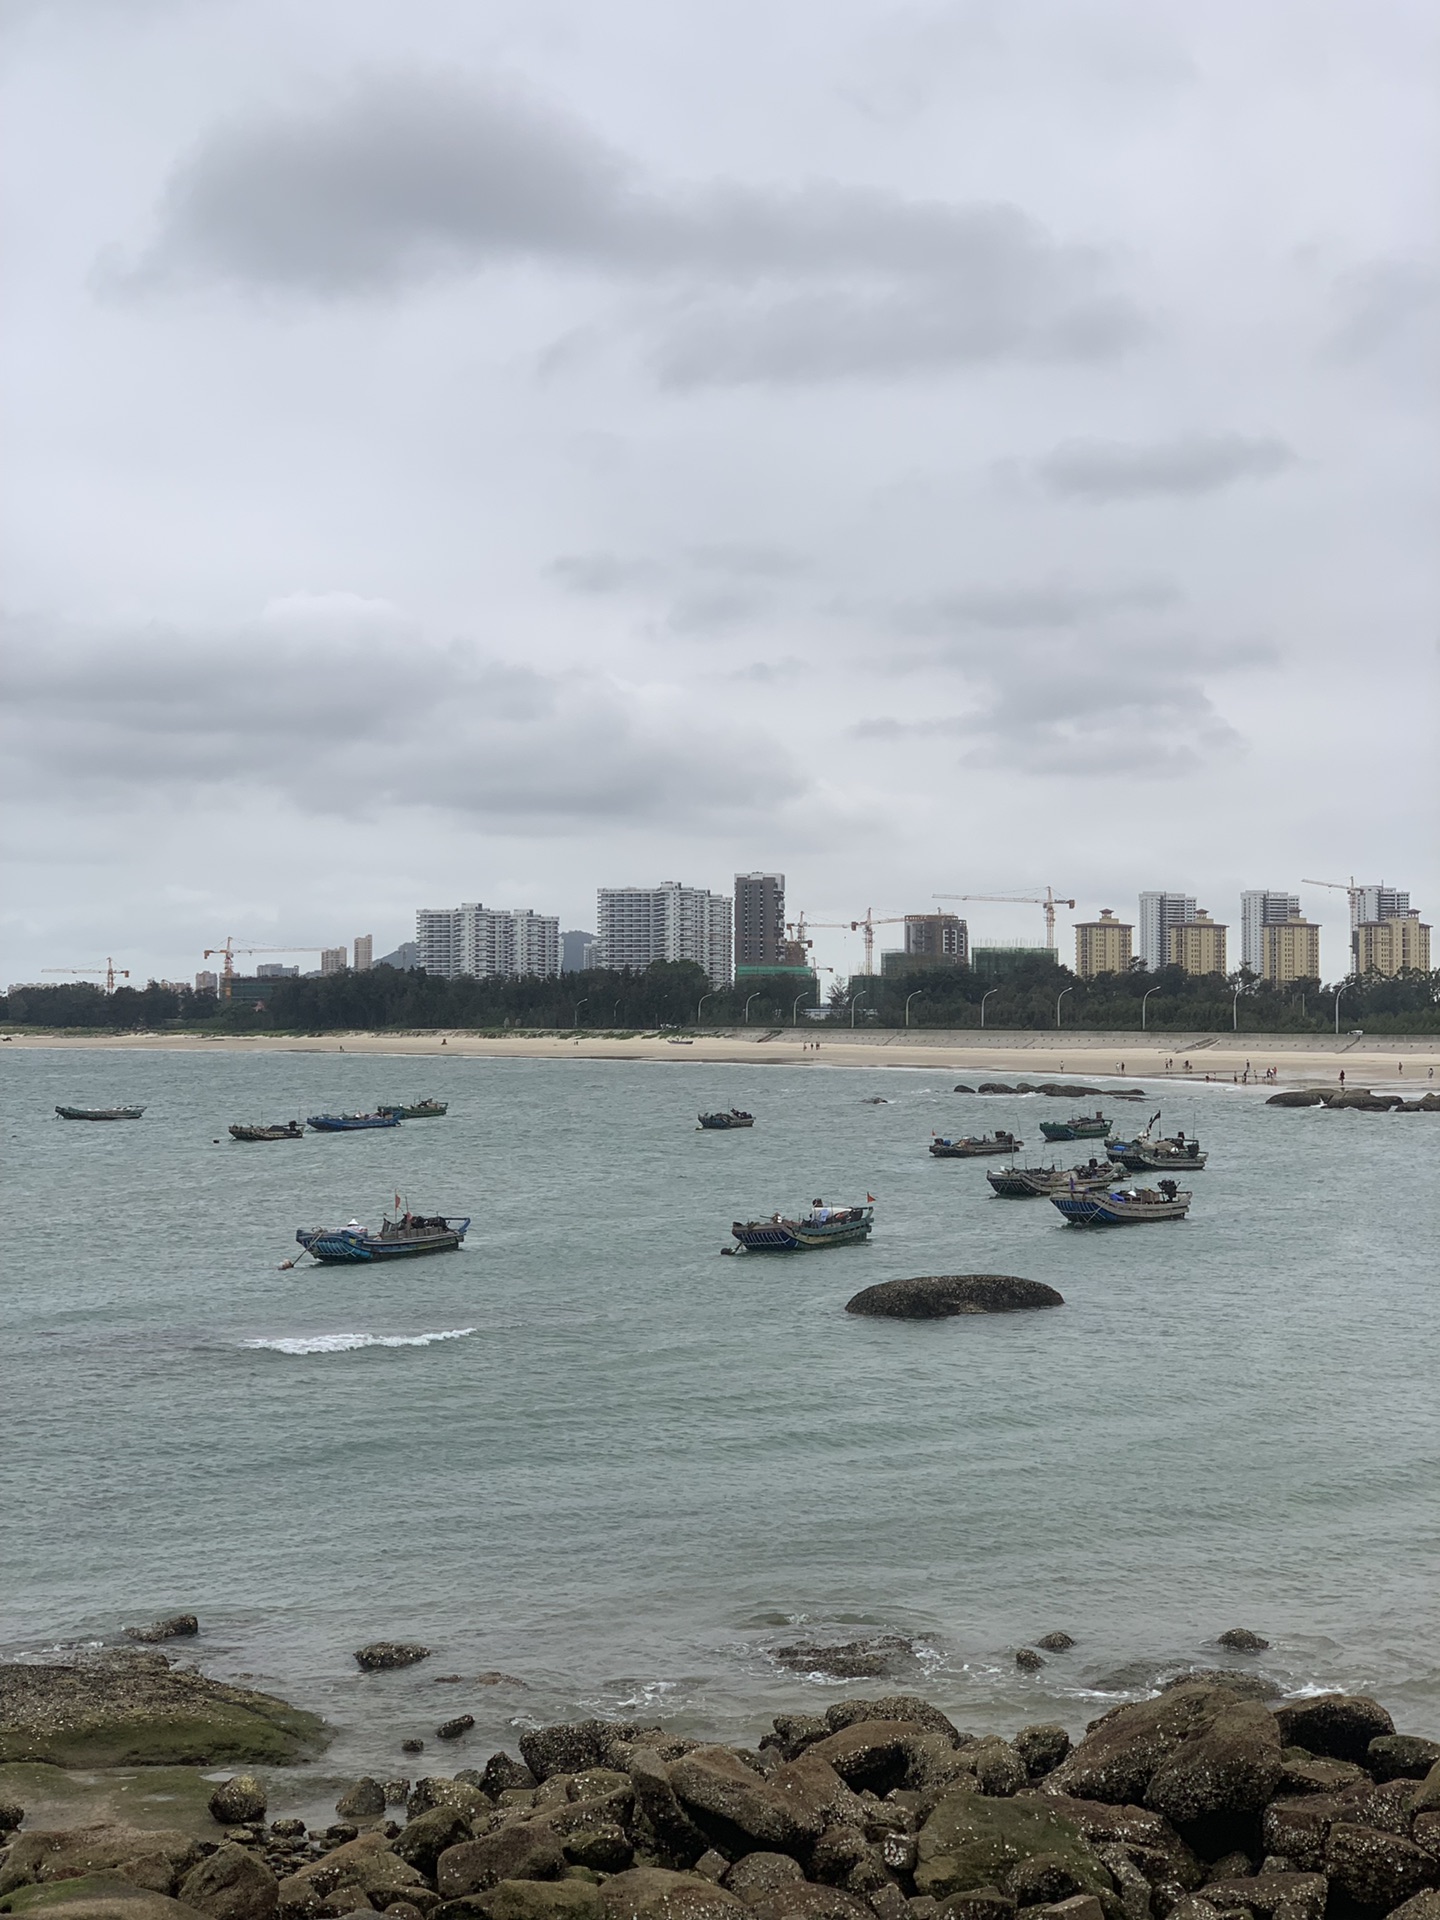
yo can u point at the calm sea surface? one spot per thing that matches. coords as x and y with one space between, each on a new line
591 1454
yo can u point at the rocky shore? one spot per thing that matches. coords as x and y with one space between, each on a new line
1204 1802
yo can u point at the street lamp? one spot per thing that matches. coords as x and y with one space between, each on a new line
1338 992
748 1004
864 994
1058 998
578 1004
908 998
703 998
795 1010
983 998
1145 1010
1235 1010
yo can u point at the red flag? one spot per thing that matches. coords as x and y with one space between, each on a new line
871 1198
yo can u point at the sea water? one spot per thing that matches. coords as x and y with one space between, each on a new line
592 1457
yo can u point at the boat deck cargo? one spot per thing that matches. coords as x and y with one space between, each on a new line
401 1239
822 1227
1123 1206
972 1149
726 1122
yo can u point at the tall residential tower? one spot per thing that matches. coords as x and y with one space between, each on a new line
638 925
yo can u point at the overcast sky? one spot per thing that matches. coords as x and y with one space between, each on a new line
485 449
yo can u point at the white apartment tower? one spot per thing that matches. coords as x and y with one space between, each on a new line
486 942
1378 903
638 925
1159 912
1260 907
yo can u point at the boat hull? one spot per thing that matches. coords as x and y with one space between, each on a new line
801 1236
1118 1210
422 1110
99 1113
1075 1129
725 1122
1137 1159
352 1246
972 1149
1038 1183
351 1122
267 1133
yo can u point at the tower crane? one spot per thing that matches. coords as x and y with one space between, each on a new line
1342 886
229 951
1048 900
866 926
110 971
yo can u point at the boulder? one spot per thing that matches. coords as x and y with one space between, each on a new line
1241 1640
95 1896
381 1655
231 1884
995 1086
942 1296
421 1841
755 1874
996 1766
1041 1747
237 1801
364 1800
1301 1772
880 1755
893 1706
977 1903
1028 1660
12 1815
1297 1097
1055 1642
679 1840
1427 1794
178 1626
1249 1686
1151 1841
652 1893
524 1850
1044 1879
156 1859
1401 1756
537 1900
1420 1906
727 1800
436 1791
129 1712
1337 1726
1377 1869
1230 1766
1425 1832
970 1840
573 1747
1295 1896
851 1660
805 1901
504 1774
1388 1806
365 1866
452 1729
1297 1829
602 1845
1124 1750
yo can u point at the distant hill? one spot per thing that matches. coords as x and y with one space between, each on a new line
406 956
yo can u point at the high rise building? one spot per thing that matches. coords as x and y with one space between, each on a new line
638 925
364 952
332 960
1260 907
759 920
1103 946
1392 946
942 937
276 970
207 983
577 951
1377 903
1197 945
1159 912
485 942
1290 950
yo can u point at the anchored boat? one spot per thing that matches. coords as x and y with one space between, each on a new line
1033 1183
1080 1126
972 1149
400 1239
725 1122
353 1122
291 1130
1123 1206
418 1110
1152 1153
822 1227
99 1113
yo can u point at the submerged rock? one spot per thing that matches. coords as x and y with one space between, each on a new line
851 1660
1055 1642
1297 1097
941 1296
178 1626
236 1802
1241 1640
381 1655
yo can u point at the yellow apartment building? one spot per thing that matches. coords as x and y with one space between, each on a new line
1390 946
1291 951
1103 946
1198 946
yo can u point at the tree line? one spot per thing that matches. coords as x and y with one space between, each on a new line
1038 994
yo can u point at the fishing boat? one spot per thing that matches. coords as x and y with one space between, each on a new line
1033 1183
417 1110
972 1149
398 1239
1080 1126
352 1122
822 1227
99 1113
725 1122
1150 1152
1123 1206
291 1130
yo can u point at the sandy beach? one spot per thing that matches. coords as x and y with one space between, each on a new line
1298 1059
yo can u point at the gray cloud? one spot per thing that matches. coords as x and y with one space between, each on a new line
1051 603
1187 464
406 176
1388 307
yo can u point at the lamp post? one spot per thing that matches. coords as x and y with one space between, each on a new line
1145 1010
1235 1009
864 994
983 998
1338 992
703 998
748 1004
578 1004
908 998
795 1010
1058 998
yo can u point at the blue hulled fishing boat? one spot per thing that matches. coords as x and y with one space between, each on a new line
401 1239
822 1227
1123 1206
352 1122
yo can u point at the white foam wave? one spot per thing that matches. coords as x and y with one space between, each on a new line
352 1342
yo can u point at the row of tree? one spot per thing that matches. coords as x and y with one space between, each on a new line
1037 995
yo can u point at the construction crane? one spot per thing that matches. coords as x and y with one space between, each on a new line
110 971
1048 900
866 926
1343 886
229 951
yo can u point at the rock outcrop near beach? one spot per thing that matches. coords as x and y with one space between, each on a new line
381 1655
944 1295
143 1712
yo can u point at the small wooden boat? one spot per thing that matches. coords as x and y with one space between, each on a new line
401 1239
822 1227
418 1110
99 1113
1152 1153
1080 1126
972 1149
1033 1183
725 1122
291 1130
1123 1206
352 1122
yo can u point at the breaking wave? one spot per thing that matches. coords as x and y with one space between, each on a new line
351 1342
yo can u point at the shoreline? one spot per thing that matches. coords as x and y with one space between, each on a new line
1299 1060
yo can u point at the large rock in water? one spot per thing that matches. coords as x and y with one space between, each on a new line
1337 1726
942 1295
129 1713
1194 1752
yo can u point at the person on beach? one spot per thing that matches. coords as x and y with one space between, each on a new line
1342 1076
